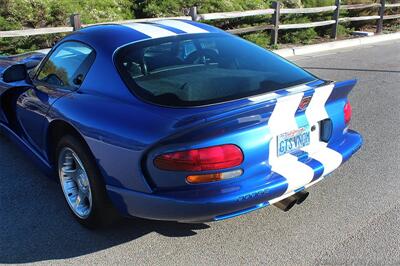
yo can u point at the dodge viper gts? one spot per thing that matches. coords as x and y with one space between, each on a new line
173 120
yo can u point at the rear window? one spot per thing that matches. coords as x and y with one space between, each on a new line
193 70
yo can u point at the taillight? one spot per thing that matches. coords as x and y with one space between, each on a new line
347 113
204 159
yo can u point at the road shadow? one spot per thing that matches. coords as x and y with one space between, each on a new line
355 69
36 226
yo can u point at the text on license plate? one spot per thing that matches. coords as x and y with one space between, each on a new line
293 140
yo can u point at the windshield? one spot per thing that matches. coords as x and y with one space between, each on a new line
193 70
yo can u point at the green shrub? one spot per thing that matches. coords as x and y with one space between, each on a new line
262 39
18 14
316 3
297 36
8 25
342 30
42 13
292 3
162 8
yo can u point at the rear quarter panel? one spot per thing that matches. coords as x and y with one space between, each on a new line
117 133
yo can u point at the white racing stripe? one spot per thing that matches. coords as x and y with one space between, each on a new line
288 194
264 97
296 173
180 25
284 196
283 116
150 30
283 120
316 112
299 88
273 95
329 158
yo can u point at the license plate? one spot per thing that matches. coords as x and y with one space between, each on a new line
293 140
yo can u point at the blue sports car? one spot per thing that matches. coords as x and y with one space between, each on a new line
173 120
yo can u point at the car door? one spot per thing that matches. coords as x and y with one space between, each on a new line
61 73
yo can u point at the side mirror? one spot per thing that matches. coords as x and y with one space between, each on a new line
32 64
17 72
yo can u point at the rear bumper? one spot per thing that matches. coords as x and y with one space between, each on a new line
186 206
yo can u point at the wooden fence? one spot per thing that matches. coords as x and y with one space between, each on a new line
274 24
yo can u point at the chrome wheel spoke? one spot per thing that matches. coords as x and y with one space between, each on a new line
75 183
70 187
74 175
78 200
82 196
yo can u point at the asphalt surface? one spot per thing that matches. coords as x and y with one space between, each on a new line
352 217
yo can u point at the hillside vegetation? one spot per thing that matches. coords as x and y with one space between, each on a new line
20 14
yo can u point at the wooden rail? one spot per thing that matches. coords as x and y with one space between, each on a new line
136 20
309 10
275 12
307 25
393 5
359 6
251 29
240 14
391 16
31 32
75 25
358 18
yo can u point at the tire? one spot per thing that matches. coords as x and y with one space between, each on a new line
78 173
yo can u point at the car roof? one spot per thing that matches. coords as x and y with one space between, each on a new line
108 37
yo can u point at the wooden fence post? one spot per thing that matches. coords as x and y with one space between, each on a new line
336 15
379 25
193 13
275 21
75 20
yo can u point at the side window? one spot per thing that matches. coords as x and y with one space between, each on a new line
67 65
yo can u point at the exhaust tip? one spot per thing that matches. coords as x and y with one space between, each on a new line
286 204
301 196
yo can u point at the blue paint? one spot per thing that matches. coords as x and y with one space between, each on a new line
125 134
234 214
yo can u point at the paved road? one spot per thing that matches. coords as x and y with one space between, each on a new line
351 217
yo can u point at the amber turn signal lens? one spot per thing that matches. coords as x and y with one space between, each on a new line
206 178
